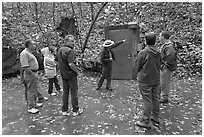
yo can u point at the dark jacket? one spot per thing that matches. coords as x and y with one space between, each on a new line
105 55
169 55
65 54
148 66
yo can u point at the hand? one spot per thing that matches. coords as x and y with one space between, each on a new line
124 40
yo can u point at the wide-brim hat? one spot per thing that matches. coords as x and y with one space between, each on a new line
108 43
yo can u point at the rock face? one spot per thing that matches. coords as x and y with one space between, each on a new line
67 26
10 64
11 61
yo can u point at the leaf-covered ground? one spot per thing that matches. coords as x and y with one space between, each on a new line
105 112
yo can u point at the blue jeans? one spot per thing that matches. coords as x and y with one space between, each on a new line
150 95
72 87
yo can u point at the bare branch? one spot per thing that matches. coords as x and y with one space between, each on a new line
87 36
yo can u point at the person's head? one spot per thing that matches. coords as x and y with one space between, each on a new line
30 44
69 40
150 38
142 38
108 43
52 49
20 49
164 35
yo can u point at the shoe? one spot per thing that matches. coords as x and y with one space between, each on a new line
110 89
80 111
41 100
33 110
163 101
65 113
45 99
53 94
39 105
97 88
61 90
143 124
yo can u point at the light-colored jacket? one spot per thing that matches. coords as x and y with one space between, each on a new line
49 63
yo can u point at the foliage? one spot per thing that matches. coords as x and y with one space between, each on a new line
39 20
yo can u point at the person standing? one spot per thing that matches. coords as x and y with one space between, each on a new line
30 66
21 48
69 72
147 70
50 69
169 64
107 57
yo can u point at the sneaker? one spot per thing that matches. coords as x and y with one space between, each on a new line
53 94
65 113
163 100
45 99
33 110
41 100
110 89
39 105
80 111
143 124
61 90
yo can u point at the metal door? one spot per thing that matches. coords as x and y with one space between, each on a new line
122 65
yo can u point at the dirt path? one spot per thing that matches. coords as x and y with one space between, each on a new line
105 112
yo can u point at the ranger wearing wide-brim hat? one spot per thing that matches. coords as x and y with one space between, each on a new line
108 43
107 57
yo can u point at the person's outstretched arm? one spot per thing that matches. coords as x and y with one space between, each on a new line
117 44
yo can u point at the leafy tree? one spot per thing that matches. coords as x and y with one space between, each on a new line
38 20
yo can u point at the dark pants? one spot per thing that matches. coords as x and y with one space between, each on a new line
26 95
150 96
70 86
31 91
52 81
106 74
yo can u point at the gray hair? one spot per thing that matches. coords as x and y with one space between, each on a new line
68 38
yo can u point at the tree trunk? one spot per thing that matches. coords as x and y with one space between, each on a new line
92 11
87 36
126 6
81 18
75 17
37 19
53 14
13 10
3 10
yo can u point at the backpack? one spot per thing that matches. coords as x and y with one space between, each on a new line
177 46
173 64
